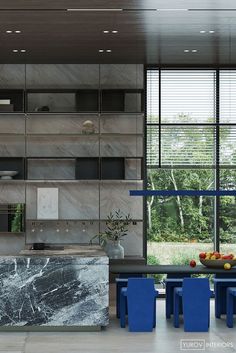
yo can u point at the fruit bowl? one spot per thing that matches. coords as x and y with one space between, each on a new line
217 263
7 174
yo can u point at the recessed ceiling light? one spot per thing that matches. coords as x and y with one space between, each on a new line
108 50
186 50
211 31
114 31
23 50
17 31
194 50
88 10
15 50
101 50
202 31
172 9
106 31
8 32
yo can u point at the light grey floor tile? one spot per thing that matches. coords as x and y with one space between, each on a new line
165 339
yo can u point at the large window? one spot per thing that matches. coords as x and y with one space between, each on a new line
191 144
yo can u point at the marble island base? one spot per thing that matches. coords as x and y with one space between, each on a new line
54 292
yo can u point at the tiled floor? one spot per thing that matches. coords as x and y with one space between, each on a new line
165 339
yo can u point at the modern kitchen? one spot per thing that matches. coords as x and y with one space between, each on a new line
117 176
71 138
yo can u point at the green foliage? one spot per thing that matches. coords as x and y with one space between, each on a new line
188 219
183 258
197 213
153 260
181 219
117 226
165 211
16 224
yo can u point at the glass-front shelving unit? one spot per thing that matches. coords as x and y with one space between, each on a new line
78 128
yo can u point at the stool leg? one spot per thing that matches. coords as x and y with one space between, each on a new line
118 300
176 309
122 310
154 314
169 300
229 310
209 316
217 301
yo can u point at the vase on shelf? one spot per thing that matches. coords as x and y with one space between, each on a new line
88 127
115 250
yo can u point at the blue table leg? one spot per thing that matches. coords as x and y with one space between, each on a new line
230 309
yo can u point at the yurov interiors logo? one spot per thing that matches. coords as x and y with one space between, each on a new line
192 344
201 345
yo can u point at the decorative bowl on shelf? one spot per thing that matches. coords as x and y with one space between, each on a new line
8 174
88 127
217 263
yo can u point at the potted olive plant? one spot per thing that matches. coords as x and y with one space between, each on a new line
117 226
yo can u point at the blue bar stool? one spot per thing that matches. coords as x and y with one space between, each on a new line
231 295
220 287
121 282
171 282
140 296
195 298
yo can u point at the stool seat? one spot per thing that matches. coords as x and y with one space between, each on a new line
124 292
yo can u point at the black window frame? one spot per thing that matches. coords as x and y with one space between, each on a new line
217 125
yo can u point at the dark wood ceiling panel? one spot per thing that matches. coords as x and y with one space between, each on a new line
127 4
143 36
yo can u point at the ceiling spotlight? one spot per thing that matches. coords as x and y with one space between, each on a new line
172 9
17 31
186 50
202 31
23 50
93 10
15 50
108 50
8 32
106 31
115 31
194 50
211 31
101 50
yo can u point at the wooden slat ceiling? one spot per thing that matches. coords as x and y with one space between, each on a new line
149 31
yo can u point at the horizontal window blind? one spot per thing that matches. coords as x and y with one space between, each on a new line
228 96
188 96
187 146
152 146
228 145
228 179
188 101
152 96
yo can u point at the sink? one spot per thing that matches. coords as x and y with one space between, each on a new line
42 246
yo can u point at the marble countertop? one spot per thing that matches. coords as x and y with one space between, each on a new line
67 250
